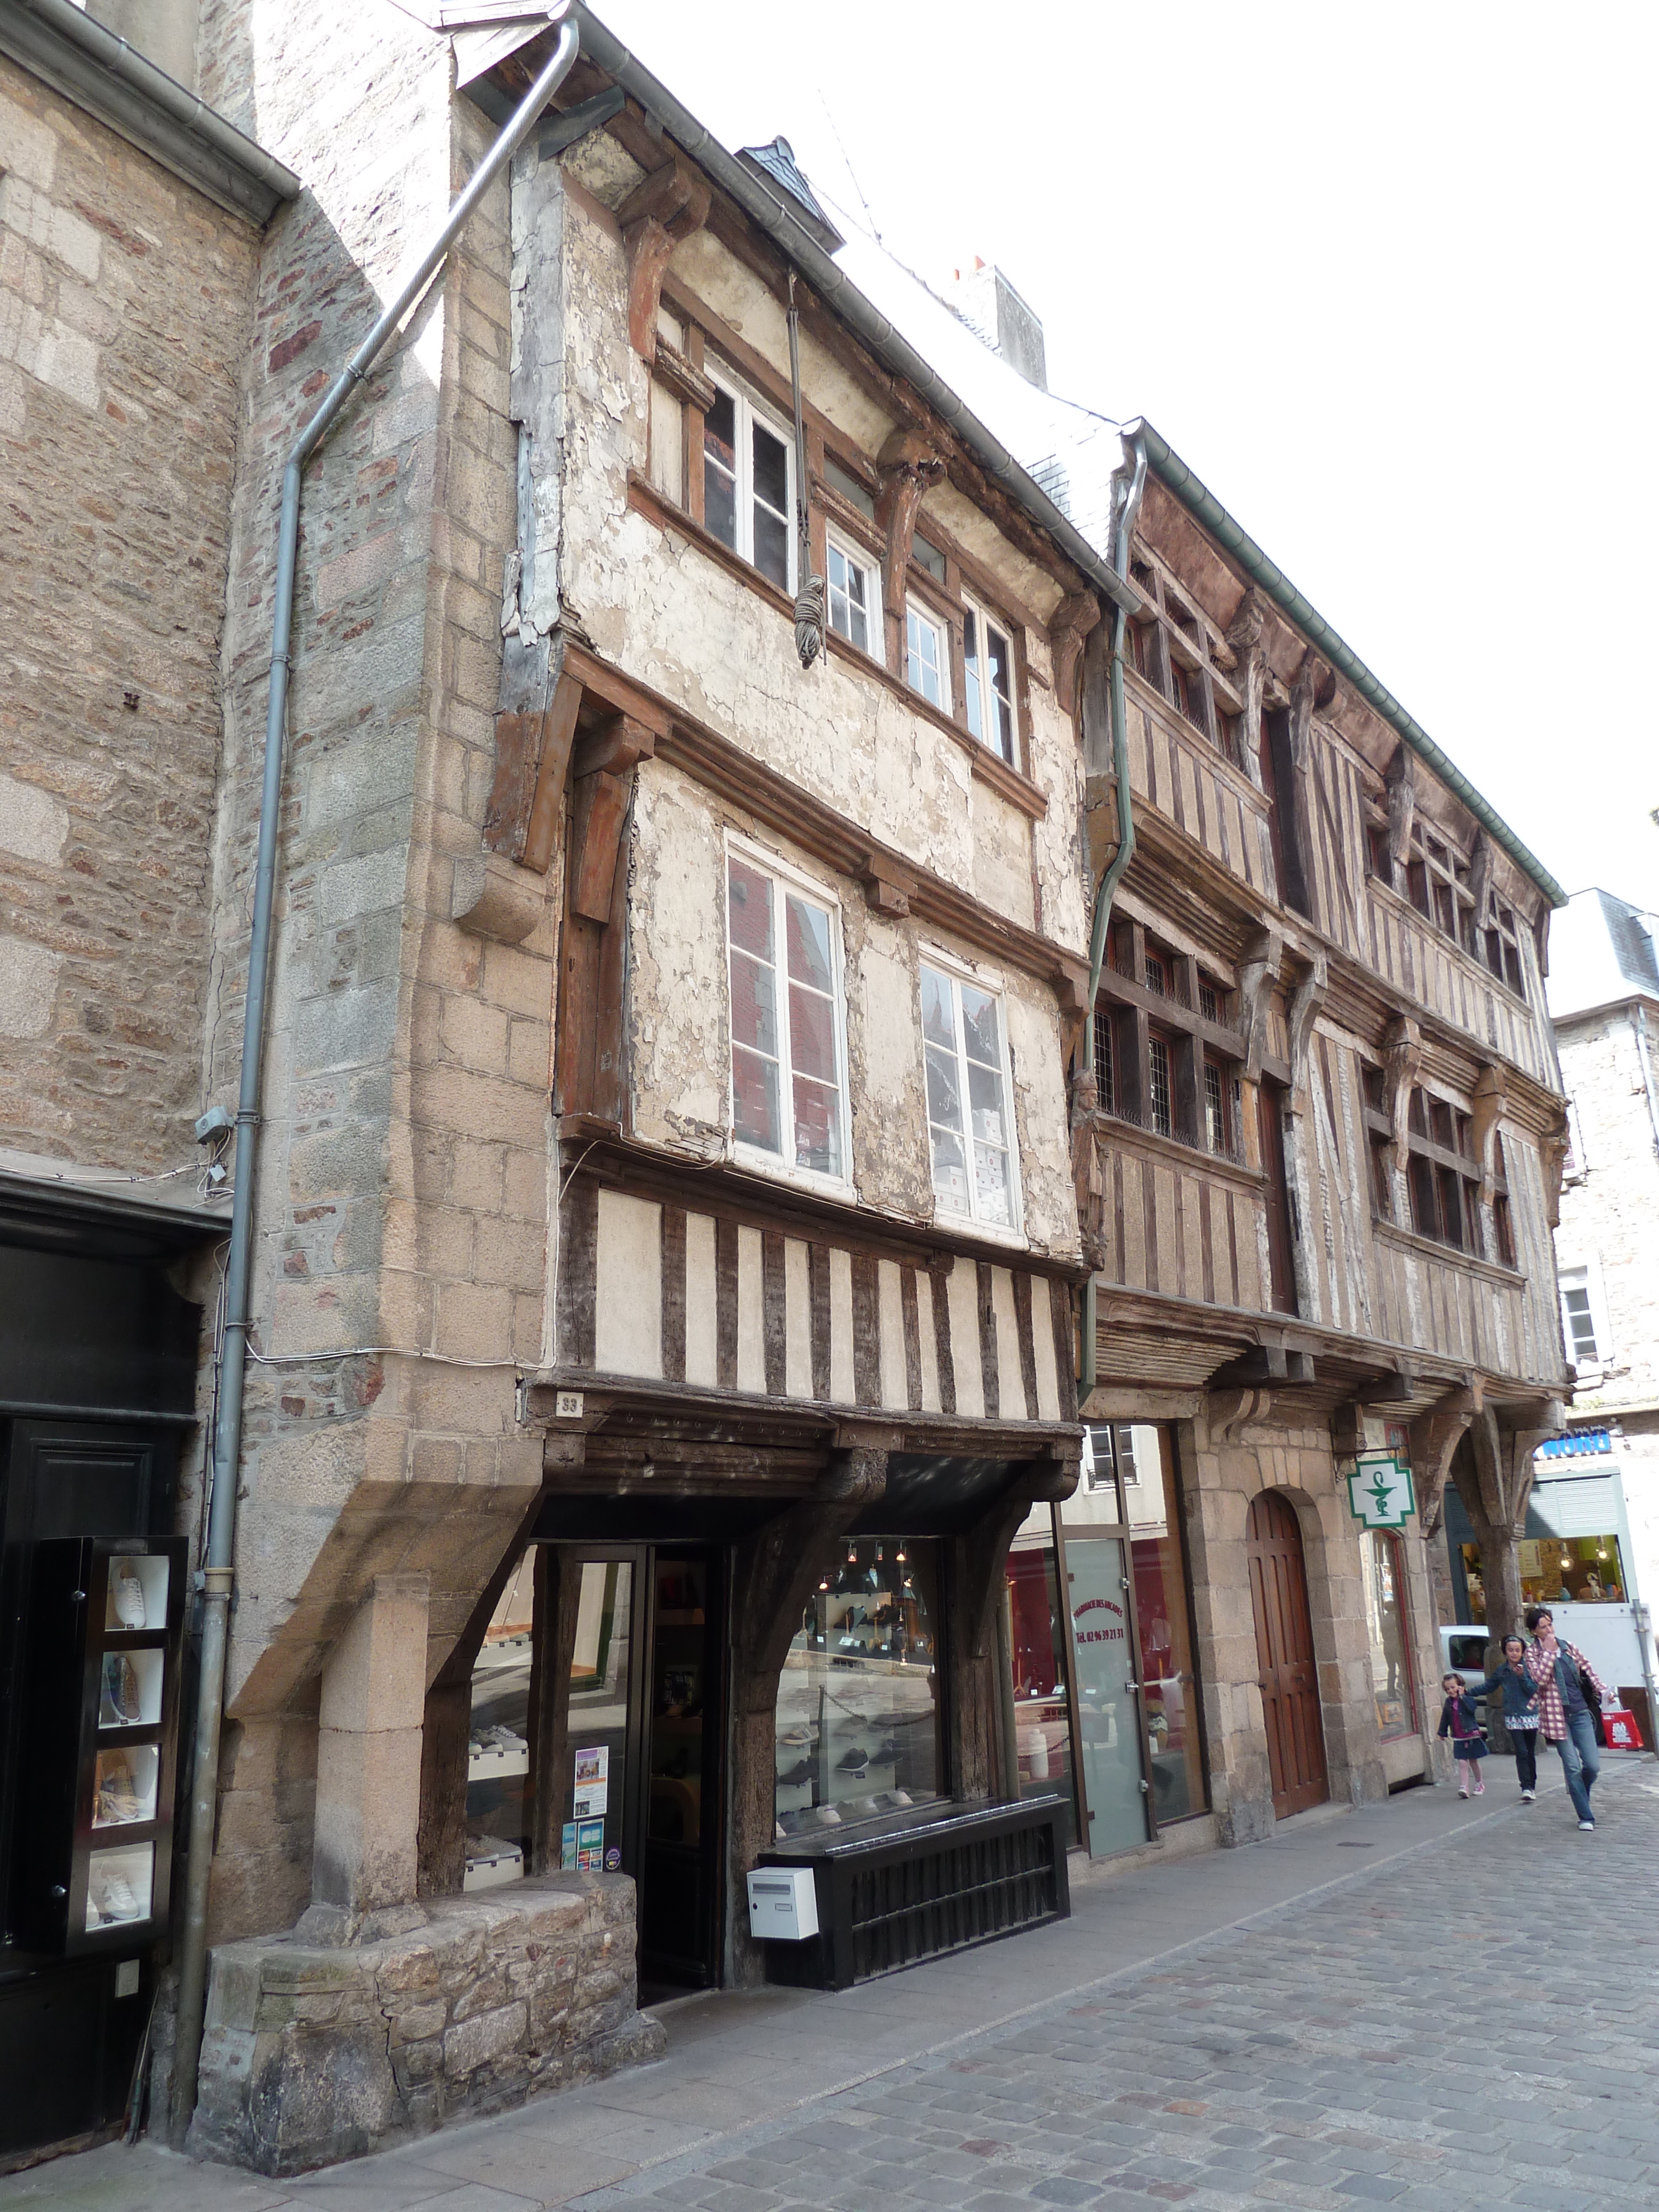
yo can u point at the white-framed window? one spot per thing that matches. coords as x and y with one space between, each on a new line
854 595
788 1017
1584 1317
969 1117
749 483
1575 1166
927 663
987 662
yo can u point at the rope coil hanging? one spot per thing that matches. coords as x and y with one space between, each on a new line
810 598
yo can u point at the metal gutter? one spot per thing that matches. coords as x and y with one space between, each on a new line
889 347
54 41
1206 508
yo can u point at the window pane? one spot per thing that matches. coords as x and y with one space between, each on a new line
999 656
970 670
1391 1681
599 1707
1158 1056
848 598
771 472
1215 1118
772 546
500 1782
719 471
991 1185
985 1104
980 1026
808 938
944 1093
923 665
750 909
754 1003
811 1033
938 1020
858 1714
817 1126
949 1171
754 1099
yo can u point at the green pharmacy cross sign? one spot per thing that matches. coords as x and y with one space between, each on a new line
1380 1491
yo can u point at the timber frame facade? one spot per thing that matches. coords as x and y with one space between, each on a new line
1347 1243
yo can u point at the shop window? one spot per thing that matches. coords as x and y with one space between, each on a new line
593 1792
1555 1571
788 1101
1392 1687
967 1069
500 1786
1036 1653
858 1714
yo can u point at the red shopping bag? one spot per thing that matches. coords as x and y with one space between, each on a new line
1623 1734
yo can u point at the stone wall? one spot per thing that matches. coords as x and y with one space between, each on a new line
1221 1474
125 301
314 2055
403 1189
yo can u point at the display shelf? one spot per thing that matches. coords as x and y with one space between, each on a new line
492 1870
101 1692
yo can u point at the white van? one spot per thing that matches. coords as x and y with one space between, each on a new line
1463 1651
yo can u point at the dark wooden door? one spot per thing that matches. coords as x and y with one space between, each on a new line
1285 1656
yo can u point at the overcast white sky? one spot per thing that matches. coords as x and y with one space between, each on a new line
1383 277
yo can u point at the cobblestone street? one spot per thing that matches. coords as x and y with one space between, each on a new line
1477 2026
1469 2019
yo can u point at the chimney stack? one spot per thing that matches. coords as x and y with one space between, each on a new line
996 314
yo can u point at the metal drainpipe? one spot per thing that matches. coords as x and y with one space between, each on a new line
218 1568
1126 846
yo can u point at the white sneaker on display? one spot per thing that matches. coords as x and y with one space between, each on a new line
129 1608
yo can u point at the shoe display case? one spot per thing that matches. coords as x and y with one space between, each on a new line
94 1847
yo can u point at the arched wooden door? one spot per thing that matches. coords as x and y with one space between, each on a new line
1285 1656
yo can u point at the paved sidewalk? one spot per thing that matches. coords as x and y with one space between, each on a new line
1467 2016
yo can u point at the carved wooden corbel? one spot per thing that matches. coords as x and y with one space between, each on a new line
1552 1149
1433 1438
887 888
1258 971
1402 1062
602 790
1068 631
1481 876
779 1566
1491 1101
1309 997
909 465
1245 635
984 1552
1312 679
532 752
1401 782
663 208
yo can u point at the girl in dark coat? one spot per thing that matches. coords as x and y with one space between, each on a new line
1520 1697
1468 1746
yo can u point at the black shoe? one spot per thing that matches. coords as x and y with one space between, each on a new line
853 1760
797 1775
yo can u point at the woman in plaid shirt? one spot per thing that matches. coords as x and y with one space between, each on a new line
1564 1717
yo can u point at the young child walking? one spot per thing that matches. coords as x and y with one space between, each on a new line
1468 1746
